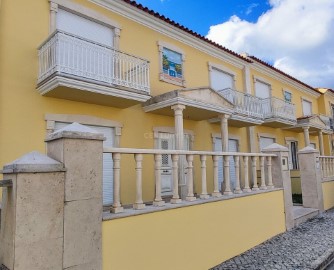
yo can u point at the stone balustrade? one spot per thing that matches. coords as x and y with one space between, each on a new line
327 166
242 170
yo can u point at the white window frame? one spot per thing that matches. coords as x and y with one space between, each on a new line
162 77
171 130
264 81
265 135
85 13
309 101
223 69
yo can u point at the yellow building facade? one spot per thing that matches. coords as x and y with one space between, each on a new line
146 82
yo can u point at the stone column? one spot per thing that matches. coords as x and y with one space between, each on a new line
281 178
53 15
32 214
224 131
81 150
306 136
310 176
179 138
321 143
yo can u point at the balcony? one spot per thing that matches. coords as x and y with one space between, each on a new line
75 68
278 113
247 108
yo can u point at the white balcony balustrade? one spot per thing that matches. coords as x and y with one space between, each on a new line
244 103
327 166
240 163
276 108
73 56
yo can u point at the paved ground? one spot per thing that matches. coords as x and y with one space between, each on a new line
305 247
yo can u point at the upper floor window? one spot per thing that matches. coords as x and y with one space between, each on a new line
287 96
221 80
171 64
262 89
85 28
307 107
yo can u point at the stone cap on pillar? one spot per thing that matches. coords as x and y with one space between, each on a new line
76 131
308 149
275 147
33 162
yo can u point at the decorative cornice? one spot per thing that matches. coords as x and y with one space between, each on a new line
135 14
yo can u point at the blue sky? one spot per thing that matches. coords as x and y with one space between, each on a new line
200 15
295 36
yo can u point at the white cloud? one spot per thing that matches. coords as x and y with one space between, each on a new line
250 8
296 35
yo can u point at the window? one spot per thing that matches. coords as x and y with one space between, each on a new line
80 26
172 64
293 157
262 89
287 96
307 107
266 141
221 80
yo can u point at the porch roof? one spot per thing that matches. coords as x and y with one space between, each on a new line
313 122
201 103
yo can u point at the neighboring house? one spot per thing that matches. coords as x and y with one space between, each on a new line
145 81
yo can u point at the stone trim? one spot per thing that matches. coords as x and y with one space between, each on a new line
83 12
83 119
162 77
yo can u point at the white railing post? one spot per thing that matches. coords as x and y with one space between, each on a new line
216 192
158 200
139 189
237 175
116 206
263 177
227 176
246 172
254 174
190 178
176 197
270 173
204 194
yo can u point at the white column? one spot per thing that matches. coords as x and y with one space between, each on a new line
139 192
237 175
227 180
263 179
116 206
254 174
53 14
224 131
321 142
216 192
306 136
204 194
190 180
179 137
158 200
270 174
176 197
246 174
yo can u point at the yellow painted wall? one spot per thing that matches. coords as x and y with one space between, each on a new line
170 239
328 193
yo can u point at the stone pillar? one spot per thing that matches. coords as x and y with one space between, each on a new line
32 214
281 178
310 176
224 131
306 136
81 150
179 139
321 143
53 15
